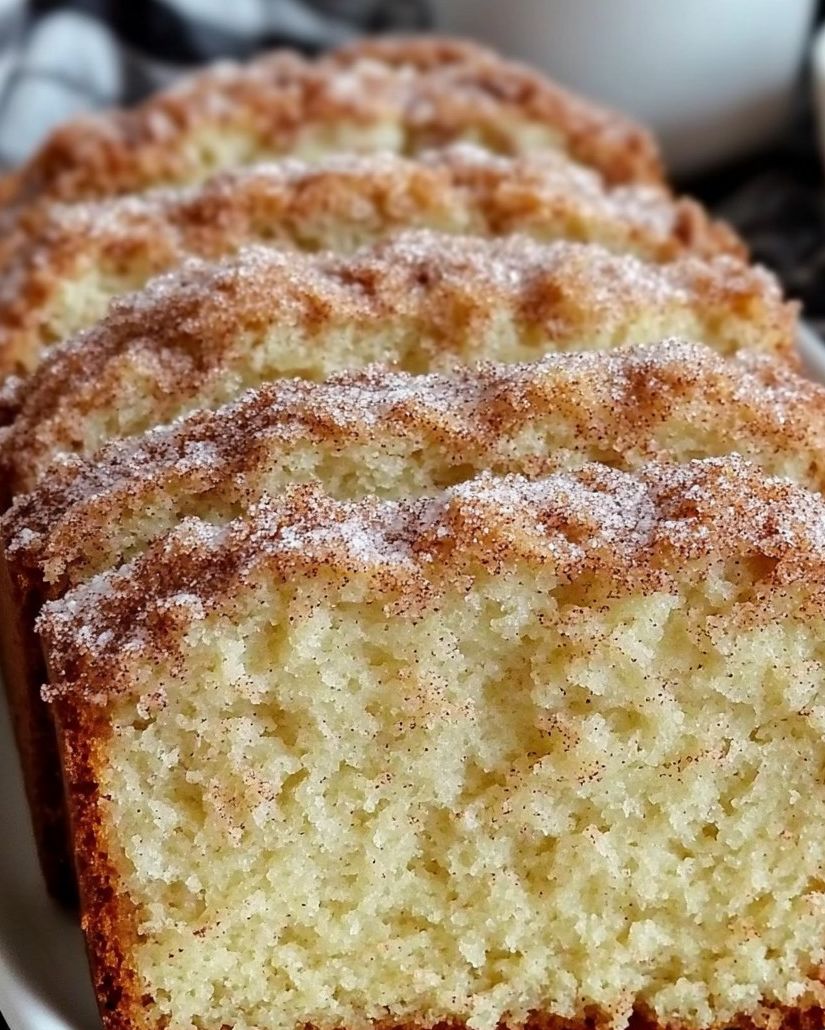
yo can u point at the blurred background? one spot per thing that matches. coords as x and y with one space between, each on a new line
728 85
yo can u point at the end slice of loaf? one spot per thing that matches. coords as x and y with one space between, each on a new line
62 277
527 751
374 432
420 301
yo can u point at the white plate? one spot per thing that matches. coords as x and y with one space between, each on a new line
44 980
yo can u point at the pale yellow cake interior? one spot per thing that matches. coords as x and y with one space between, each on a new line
535 796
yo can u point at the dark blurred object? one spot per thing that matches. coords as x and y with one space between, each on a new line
168 30
776 199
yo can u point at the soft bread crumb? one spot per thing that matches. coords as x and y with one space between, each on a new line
533 798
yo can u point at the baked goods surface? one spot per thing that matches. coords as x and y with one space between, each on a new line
74 258
199 336
61 278
394 435
403 96
419 301
525 748
382 433
434 693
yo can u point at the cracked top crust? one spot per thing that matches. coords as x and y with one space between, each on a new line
638 530
197 336
403 94
621 407
109 247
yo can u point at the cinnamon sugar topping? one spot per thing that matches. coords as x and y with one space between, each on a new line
405 94
109 247
636 529
618 405
419 300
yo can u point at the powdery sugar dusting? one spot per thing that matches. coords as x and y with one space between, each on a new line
538 189
594 522
187 326
627 398
424 90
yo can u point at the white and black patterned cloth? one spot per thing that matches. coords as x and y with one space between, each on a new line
60 59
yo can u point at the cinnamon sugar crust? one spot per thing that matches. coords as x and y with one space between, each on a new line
105 248
635 528
420 301
403 95
669 400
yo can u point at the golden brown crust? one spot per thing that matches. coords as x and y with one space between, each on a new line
614 406
107 917
188 339
349 199
429 91
597 136
638 529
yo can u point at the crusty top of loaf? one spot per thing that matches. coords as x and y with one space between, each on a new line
431 91
190 326
615 406
539 188
326 204
638 531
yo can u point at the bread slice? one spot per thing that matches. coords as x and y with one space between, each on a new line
63 276
524 753
374 432
400 95
421 301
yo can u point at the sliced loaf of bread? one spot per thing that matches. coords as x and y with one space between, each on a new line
393 435
400 95
419 301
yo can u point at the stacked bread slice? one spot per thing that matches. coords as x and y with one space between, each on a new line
61 277
426 635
